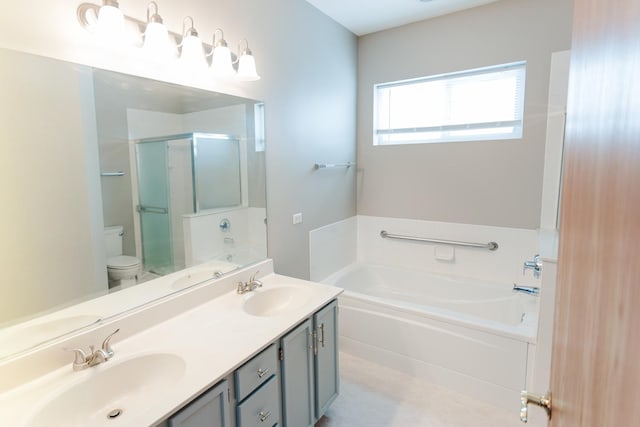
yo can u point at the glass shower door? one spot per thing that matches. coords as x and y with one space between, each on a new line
155 219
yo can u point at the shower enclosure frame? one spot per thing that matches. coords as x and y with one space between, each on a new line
139 208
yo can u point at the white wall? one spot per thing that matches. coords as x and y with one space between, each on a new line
495 183
337 245
308 66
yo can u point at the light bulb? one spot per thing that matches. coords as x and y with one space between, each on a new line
247 67
156 40
192 55
111 22
221 62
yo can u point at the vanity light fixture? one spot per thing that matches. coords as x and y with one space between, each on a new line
109 22
246 64
156 35
221 63
191 52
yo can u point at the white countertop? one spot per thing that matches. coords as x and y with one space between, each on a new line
213 339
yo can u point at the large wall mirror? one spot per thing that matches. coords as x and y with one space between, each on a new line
111 184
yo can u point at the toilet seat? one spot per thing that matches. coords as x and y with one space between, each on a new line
123 262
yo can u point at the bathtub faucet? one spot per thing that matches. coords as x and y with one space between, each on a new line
530 290
535 265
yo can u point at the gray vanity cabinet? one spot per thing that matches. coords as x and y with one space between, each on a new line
256 391
211 409
297 376
295 392
327 379
309 368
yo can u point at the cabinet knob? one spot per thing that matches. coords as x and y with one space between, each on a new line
262 372
264 415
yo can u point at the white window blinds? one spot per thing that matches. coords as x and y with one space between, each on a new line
471 105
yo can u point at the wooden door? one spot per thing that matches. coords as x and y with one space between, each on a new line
595 378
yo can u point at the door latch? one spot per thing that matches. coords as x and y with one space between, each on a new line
542 401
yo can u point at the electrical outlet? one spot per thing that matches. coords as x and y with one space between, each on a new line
297 218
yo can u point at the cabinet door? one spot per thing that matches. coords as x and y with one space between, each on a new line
327 382
209 410
297 377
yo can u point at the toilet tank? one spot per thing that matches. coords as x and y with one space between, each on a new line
113 240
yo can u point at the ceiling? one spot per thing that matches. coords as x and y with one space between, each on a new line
367 16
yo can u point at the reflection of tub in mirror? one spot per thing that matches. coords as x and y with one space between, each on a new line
68 174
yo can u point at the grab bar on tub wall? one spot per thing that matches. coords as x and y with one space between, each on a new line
492 246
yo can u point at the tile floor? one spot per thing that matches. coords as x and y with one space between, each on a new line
372 395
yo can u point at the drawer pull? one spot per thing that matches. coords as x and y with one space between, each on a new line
262 372
264 415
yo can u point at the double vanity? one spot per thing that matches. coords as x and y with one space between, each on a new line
239 350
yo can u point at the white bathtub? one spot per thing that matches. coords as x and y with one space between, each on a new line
468 335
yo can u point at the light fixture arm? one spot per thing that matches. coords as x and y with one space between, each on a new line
191 31
246 49
221 41
153 17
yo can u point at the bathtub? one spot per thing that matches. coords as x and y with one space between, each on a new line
472 336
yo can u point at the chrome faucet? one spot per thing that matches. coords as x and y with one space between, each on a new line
85 360
249 286
530 290
535 265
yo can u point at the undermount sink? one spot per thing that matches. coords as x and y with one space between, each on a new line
274 301
110 392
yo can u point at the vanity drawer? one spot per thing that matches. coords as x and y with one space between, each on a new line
262 408
255 372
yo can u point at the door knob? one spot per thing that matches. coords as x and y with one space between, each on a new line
542 401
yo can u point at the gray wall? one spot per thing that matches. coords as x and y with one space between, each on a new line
308 65
489 182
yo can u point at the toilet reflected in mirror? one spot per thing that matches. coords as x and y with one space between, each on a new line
123 271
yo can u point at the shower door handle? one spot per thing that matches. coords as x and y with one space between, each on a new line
152 209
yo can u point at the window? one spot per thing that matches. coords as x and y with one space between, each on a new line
472 105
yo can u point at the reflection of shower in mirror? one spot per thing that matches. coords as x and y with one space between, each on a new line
180 175
83 179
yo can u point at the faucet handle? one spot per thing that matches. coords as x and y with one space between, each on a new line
253 278
80 360
253 282
106 345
